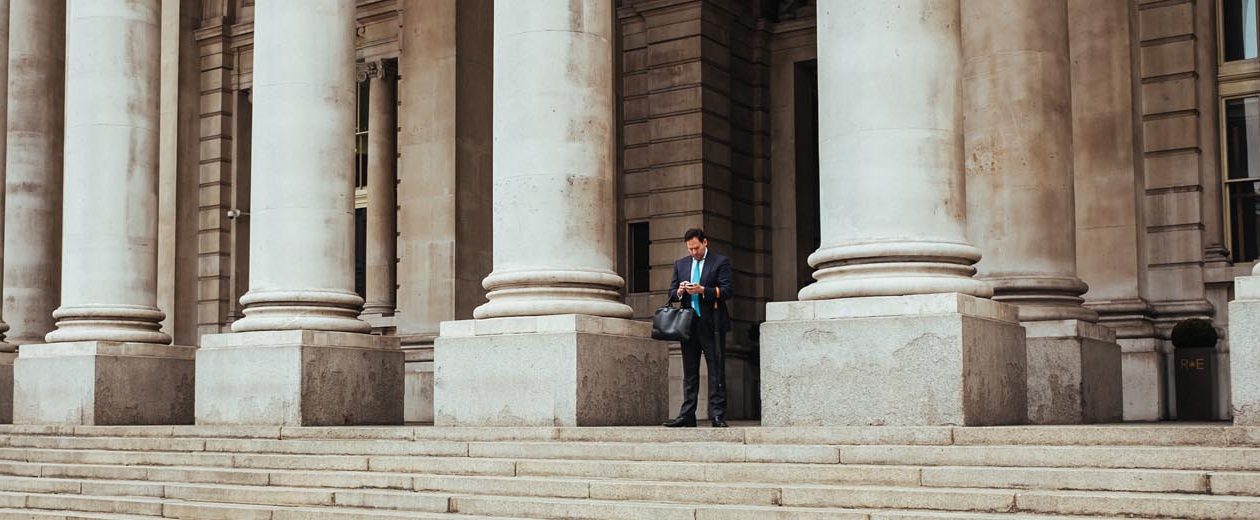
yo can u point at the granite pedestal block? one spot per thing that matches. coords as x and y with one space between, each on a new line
103 383
1074 373
561 370
1244 350
299 378
6 386
937 359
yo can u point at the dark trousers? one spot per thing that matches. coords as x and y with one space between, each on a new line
703 341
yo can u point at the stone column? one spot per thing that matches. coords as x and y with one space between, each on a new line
382 237
1108 189
7 351
1018 126
895 308
301 355
561 351
1244 348
107 362
32 265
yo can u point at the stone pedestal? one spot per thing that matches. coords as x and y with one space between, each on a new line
1142 370
6 386
103 383
560 370
299 378
935 359
1073 369
1244 349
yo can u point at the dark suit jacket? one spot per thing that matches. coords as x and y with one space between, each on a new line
716 279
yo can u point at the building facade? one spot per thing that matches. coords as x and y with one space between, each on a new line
1109 172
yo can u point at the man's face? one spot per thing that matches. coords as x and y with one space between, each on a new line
697 248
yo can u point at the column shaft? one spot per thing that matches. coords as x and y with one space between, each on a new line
382 237
890 152
32 281
1018 120
4 80
302 198
554 193
109 272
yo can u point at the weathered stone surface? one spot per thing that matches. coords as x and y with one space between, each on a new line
103 383
299 378
1244 349
1074 373
941 368
551 370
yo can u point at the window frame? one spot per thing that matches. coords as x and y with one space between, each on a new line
1238 79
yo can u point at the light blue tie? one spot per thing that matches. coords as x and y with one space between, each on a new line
695 278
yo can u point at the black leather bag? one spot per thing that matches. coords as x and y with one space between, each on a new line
672 323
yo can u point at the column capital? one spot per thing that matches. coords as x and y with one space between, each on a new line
377 69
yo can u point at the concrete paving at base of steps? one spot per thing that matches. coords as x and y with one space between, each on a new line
1144 434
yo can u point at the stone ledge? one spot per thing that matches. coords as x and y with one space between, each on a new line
297 338
887 306
1069 329
107 348
559 323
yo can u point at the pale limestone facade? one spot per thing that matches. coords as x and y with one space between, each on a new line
1069 199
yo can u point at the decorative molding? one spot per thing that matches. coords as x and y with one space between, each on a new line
378 69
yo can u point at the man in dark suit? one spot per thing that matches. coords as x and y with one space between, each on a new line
703 280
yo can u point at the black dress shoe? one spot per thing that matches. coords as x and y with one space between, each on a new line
719 422
681 422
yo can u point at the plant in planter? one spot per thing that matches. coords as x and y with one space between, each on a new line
1194 341
1194 333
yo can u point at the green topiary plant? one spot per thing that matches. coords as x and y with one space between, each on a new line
1194 333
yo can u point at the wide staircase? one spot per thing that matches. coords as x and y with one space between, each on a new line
741 473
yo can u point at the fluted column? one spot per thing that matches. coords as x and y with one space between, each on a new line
109 269
1019 154
382 175
554 199
32 274
890 153
302 195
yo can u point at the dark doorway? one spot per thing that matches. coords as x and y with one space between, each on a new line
808 235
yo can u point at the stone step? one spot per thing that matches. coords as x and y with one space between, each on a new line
437 494
1173 458
28 514
1184 458
383 475
403 474
1215 435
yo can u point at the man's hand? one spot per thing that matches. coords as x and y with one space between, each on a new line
694 288
682 288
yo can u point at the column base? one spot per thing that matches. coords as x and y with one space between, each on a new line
103 383
1074 373
562 370
1244 350
299 378
6 386
925 360
1142 370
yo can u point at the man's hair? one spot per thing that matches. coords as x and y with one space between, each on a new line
695 233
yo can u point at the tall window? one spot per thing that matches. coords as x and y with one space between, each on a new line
360 186
640 260
1239 82
361 135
